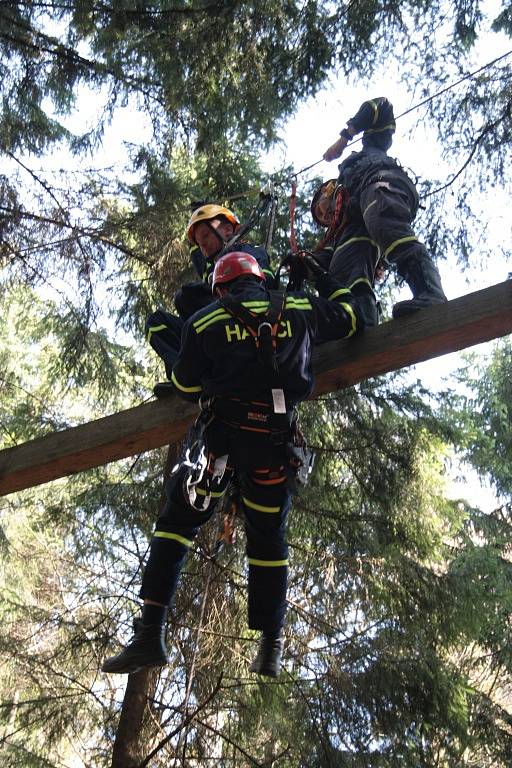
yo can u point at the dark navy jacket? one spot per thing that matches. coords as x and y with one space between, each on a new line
374 117
218 356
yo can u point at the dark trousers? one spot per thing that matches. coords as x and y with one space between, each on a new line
355 258
381 227
262 477
388 207
163 332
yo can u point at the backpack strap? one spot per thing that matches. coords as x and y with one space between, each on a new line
263 328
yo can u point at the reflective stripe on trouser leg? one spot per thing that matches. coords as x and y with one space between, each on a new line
266 508
355 257
175 532
387 217
163 332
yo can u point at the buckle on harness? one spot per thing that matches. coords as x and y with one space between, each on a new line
264 326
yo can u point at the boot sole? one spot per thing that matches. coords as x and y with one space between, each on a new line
128 669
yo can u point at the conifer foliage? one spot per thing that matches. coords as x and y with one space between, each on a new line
398 634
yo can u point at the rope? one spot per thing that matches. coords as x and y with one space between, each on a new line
183 734
293 205
271 224
420 104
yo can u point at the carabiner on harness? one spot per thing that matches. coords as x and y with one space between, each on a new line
196 460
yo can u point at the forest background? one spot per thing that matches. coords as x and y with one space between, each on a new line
398 638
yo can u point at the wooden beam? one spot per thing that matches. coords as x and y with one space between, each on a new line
127 433
435 331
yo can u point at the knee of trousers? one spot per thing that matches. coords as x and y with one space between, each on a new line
159 317
404 255
387 216
266 536
355 261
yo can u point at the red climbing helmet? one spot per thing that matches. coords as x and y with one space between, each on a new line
234 265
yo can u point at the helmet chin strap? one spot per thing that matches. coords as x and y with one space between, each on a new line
223 241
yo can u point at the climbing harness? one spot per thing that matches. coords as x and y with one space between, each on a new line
204 472
263 328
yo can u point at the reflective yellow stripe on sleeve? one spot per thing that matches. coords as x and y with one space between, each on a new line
294 302
338 292
183 388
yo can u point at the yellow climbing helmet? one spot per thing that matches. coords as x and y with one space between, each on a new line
207 213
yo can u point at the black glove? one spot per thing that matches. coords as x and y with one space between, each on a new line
302 266
309 265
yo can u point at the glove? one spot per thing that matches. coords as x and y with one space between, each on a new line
309 265
336 149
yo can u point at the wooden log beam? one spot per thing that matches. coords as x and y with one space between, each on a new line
435 331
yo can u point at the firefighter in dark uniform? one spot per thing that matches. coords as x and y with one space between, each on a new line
209 229
382 204
247 357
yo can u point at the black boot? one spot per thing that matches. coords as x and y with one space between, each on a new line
268 658
366 304
424 281
164 389
146 649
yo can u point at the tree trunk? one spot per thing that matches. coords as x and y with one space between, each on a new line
129 749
